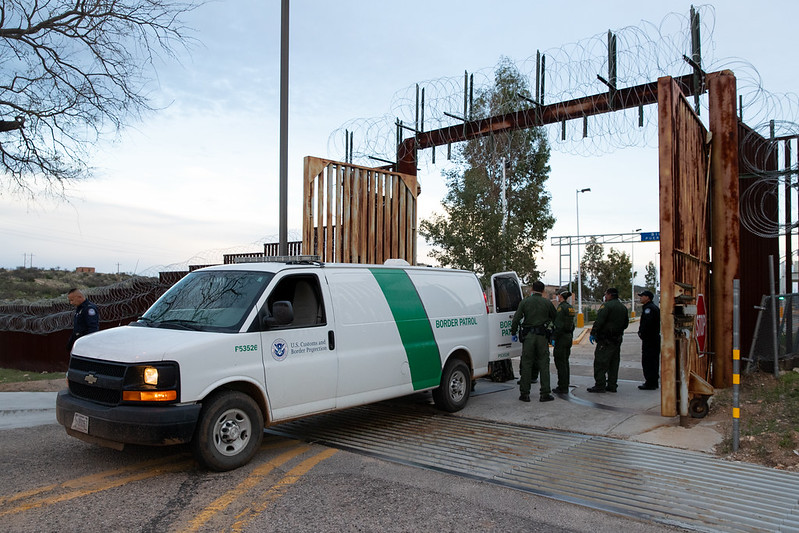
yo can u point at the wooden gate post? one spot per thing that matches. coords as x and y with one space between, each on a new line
668 93
725 238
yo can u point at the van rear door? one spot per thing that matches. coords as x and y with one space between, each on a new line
506 292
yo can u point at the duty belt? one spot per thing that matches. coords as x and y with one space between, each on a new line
538 330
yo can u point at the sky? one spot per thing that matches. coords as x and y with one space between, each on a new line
199 177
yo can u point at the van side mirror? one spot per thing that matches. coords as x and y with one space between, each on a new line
282 314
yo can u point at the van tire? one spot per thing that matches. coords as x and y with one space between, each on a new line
229 431
456 383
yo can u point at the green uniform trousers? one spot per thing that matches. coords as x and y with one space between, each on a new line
606 365
561 353
535 360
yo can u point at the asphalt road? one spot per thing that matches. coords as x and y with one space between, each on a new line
52 482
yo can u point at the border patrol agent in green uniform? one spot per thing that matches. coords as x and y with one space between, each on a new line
608 332
531 320
562 337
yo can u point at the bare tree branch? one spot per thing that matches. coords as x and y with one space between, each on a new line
69 69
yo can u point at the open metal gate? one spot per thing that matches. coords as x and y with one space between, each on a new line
698 213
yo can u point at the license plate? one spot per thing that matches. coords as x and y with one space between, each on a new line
80 423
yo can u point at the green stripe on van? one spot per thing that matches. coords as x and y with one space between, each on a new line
413 325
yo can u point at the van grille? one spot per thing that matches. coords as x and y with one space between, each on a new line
95 394
96 381
116 370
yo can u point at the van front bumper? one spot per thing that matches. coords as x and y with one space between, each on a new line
126 424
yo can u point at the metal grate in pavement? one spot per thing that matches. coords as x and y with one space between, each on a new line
677 487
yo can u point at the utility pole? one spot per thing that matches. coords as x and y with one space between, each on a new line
284 129
503 195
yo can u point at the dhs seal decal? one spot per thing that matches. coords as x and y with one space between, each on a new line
279 350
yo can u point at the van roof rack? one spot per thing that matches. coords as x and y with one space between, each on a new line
288 259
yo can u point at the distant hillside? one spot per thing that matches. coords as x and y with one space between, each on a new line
24 284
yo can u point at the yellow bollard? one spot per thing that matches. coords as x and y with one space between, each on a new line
580 320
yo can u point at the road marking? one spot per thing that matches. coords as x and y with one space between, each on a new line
255 477
47 495
279 488
91 478
98 486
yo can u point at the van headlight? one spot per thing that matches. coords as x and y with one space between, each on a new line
150 375
156 382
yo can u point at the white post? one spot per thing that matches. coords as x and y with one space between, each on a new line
580 318
504 198
632 274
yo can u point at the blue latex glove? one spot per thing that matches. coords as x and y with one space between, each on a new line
553 343
591 338
514 338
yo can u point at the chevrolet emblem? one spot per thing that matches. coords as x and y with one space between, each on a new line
90 379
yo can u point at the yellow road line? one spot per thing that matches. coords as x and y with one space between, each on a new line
255 477
93 483
279 488
91 478
98 487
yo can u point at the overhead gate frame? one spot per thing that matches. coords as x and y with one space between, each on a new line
717 207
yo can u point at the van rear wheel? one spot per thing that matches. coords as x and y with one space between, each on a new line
229 431
456 382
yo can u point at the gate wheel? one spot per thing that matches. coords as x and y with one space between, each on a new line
698 407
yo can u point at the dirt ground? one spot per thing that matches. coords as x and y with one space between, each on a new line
768 425
42 385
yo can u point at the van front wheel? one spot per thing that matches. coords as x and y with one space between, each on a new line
456 382
229 431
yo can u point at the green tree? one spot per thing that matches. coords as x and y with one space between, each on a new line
71 69
617 272
590 266
598 273
475 232
651 277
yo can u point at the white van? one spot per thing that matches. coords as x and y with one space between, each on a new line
232 348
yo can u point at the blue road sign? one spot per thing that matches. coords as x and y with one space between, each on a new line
650 236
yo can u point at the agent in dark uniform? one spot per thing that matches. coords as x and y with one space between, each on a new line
649 333
86 320
531 320
608 332
562 340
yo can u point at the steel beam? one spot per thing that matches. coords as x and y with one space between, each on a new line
536 116
725 220
668 95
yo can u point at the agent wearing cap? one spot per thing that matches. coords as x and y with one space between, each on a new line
531 320
562 340
649 333
608 332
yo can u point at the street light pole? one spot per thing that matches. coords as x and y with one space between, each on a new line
503 195
632 274
283 177
580 319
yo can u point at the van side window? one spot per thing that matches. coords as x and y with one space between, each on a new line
305 296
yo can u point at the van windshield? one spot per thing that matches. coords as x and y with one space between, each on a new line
217 301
